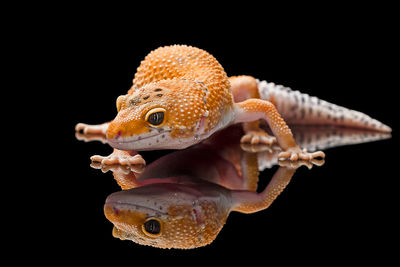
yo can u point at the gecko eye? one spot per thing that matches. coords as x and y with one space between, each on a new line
155 117
152 227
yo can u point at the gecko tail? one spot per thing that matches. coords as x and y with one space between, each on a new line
299 108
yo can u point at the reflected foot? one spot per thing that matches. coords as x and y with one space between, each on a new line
296 164
296 153
258 137
90 137
120 157
123 169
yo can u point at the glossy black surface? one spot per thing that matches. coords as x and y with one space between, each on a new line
343 211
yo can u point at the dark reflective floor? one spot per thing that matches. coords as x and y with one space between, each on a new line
76 62
182 199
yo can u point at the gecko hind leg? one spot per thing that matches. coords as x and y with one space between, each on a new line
255 135
243 88
254 109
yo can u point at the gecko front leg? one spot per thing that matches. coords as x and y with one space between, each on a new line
87 133
92 129
117 157
254 109
120 157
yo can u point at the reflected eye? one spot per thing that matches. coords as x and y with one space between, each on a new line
152 226
155 116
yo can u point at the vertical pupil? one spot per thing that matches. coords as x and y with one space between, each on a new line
156 118
152 226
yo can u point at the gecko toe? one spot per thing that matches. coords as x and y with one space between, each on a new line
258 137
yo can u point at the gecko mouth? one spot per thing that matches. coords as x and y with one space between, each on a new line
148 142
117 206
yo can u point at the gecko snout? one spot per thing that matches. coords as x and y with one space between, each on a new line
114 132
125 131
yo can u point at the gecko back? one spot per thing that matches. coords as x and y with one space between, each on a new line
181 95
185 88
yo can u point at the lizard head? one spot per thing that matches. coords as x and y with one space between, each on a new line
166 215
159 115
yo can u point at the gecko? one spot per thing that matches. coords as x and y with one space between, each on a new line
183 199
184 215
181 95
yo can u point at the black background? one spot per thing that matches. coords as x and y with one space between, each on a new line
343 211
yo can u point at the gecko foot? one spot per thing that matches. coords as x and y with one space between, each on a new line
296 164
258 137
119 157
296 153
123 169
92 129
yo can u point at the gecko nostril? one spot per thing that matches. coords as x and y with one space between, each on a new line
116 211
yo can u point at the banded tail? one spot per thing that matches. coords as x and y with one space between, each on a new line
299 108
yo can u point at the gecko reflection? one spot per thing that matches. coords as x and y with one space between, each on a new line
315 138
186 213
183 199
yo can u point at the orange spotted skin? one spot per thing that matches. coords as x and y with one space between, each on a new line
179 228
187 82
277 124
189 215
181 95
